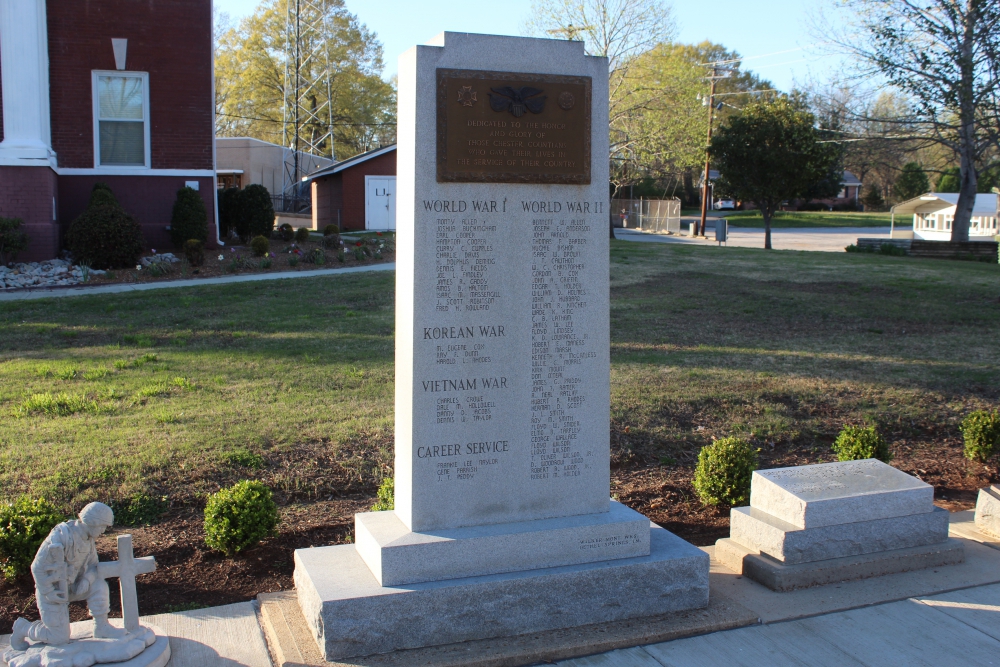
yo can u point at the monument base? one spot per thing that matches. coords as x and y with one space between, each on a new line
781 577
398 556
351 615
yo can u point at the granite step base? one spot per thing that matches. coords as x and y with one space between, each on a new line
988 511
759 531
398 556
781 577
350 614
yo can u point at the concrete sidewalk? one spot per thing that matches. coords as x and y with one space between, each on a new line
822 239
957 628
49 292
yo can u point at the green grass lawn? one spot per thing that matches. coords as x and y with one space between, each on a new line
800 219
174 392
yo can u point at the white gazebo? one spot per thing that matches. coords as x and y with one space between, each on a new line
933 214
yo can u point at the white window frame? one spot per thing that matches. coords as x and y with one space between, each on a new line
94 74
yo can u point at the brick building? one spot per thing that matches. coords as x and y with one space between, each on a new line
358 193
119 91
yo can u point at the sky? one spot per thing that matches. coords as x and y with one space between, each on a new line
773 35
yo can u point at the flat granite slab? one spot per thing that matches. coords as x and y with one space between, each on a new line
398 556
963 524
292 643
827 494
781 577
350 614
759 531
988 510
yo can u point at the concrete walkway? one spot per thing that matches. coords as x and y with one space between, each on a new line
49 292
958 628
823 239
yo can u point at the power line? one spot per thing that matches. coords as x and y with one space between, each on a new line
272 120
763 55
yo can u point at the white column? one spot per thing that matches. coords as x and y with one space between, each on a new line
24 56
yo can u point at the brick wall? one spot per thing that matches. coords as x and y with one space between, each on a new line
1 101
149 198
170 39
27 193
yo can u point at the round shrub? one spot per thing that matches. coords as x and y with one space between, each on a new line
301 234
24 524
330 230
260 246
239 517
286 232
386 496
189 219
105 237
981 431
229 210
861 442
194 252
13 239
101 195
722 476
331 241
255 215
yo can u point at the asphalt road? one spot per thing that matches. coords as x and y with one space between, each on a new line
831 239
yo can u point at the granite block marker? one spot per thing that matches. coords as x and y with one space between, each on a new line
502 522
988 510
818 524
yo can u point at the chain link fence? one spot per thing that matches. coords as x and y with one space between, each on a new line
649 215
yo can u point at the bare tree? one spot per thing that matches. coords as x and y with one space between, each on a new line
943 55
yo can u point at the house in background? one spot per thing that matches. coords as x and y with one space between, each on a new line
112 91
358 193
933 213
849 195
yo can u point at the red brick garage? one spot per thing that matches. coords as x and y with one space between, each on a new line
352 193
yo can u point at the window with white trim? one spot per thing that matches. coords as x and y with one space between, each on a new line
121 119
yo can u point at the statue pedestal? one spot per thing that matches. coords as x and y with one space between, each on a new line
147 647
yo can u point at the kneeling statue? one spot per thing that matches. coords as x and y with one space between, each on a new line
66 570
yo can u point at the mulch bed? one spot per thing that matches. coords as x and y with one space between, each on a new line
236 260
189 575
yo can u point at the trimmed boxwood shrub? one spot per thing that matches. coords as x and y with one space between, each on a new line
255 212
330 230
229 210
855 443
286 232
981 431
386 496
722 476
302 234
13 239
24 525
105 236
260 246
238 517
189 219
194 251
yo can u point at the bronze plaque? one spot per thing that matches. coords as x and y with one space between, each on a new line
506 127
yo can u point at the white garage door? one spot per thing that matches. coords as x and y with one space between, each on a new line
380 202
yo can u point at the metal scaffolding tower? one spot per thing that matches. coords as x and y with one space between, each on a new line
307 108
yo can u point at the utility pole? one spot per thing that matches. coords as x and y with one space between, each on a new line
704 187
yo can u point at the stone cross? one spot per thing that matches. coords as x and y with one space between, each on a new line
125 568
